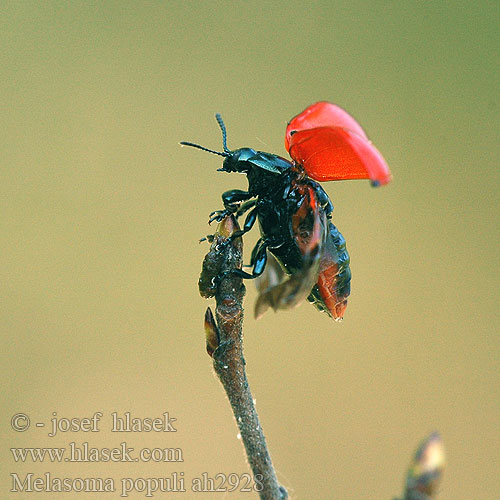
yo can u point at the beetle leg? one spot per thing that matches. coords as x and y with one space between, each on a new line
259 259
218 215
254 253
231 200
249 223
245 206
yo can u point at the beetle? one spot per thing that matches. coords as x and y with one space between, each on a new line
305 253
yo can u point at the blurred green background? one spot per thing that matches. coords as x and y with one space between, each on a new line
101 212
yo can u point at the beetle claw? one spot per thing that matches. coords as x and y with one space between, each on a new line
218 215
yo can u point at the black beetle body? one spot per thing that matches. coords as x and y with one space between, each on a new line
294 214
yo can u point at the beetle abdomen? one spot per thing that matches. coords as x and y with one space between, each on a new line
334 279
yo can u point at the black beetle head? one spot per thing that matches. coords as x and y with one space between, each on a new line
237 161
244 159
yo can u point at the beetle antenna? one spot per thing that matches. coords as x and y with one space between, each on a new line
184 143
218 117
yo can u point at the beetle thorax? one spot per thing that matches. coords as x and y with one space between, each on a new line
262 183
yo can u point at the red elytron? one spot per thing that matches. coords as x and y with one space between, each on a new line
332 146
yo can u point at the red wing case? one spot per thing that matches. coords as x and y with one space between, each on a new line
322 114
334 154
331 145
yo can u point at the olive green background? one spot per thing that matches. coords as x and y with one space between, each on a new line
101 212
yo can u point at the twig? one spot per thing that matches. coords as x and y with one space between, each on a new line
225 345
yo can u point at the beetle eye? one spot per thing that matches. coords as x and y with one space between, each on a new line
292 132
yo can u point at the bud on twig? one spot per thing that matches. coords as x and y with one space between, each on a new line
211 332
425 471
